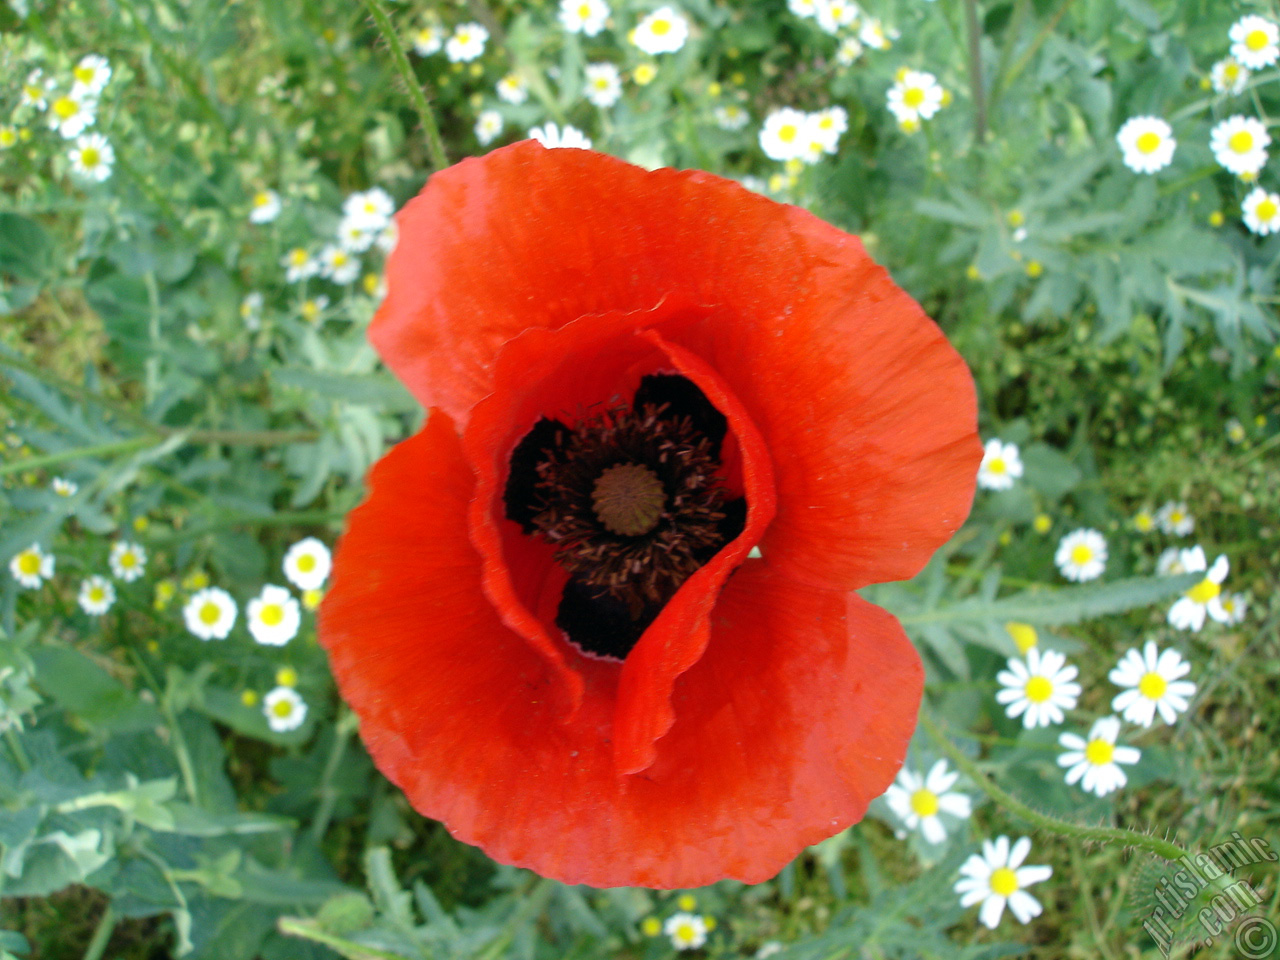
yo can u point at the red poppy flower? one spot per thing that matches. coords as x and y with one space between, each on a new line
548 613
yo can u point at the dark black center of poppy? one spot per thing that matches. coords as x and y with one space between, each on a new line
633 500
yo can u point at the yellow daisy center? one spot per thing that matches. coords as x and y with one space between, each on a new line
1143 522
788 132
1241 141
1081 554
210 613
1148 142
97 594
913 96
1152 685
1266 210
261 199
1038 689
29 563
7 137
661 28
685 933
287 676
584 11
83 74
65 107
1099 752
306 563
298 257
997 466
1004 882
1231 70
282 708
1204 591
90 157
271 615
32 92
924 802
128 560
1256 40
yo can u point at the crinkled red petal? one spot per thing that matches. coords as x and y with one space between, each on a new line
579 367
836 366
797 714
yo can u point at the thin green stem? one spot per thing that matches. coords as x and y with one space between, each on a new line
19 754
1161 848
346 725
435 146
310 930
101 935
973 26
75 391
1036 43
76 453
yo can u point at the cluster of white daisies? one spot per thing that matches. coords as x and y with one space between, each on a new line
1239 143
274 616
1082 554
790 134
366 222
847 21
70 106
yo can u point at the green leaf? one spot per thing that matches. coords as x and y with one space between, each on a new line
1057 606
85 689
371 389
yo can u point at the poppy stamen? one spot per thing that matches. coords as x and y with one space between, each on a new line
633 501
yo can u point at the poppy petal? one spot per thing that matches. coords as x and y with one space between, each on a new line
796 716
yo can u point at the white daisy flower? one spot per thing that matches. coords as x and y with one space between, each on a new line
36 89
1082 555
916 94
997 877
299 264
32 567
513 89
92 157
1039 689
64 487
356 237
264 207
370 208
1240 143
96 595
251 311
1169 563
1234 607
835 15
1001 465
1255 41
71 115
285 709
687 931
1228 76
849 51
730 116
805 9
583 16
874 34
552 137
313 307
1174 519
1147 144
1189 610
210 613
918 800
1261 211
467 43
128 560
307 564
273 616
339 265
782 137
604 84
663 31
90 75
386 238
1094 762
489 125
428 40
1154 682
